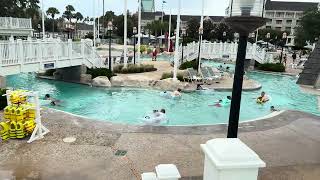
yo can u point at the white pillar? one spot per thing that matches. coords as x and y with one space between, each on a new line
257 35
201 26
43 29
169 36
230 159
94 23
176 51
125 33
139 30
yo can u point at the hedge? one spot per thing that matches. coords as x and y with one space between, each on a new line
3 99
170 75
95 72
272 67
134 68
189 64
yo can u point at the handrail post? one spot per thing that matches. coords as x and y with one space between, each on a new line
70 49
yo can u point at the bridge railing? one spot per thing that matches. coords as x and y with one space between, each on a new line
15 52
225 50
15 23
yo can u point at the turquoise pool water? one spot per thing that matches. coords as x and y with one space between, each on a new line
129 105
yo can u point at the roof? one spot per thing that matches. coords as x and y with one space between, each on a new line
289 6
188 17
84 26
311 71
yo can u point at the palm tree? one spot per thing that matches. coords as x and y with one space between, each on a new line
79 17
52 11
68 13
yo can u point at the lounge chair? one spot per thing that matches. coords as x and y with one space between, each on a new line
205 75
213 74
193 75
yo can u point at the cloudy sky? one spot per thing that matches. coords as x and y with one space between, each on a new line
212 7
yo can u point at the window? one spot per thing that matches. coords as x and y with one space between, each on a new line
298 22
268 27
278 28
280 14
299 15
290 15
288 29
279 22
289 22
269 21
270 14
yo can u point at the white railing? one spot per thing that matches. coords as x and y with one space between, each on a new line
19 52
221 50
15 23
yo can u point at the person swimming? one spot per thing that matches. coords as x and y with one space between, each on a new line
176 93
263 98
273 109
157 118
199 87
223 102
54 102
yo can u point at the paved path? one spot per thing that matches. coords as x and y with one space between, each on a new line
288 143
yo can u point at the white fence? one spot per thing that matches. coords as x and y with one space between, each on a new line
46 54
15 23
224 51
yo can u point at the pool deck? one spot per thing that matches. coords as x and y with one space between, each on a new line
289 143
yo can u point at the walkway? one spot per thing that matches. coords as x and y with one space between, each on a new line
288 143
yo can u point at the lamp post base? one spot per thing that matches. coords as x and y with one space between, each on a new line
242 25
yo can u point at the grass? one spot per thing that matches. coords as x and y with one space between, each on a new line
170 75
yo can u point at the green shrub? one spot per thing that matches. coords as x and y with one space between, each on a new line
3 99
149 50
134 68
95 72
49 72
170 75
143 48
272 67
189 64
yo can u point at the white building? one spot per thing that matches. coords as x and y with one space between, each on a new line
285 16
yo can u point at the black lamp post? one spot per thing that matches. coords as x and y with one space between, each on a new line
134 44
39 28
199 52
268 40
242 19
183 33
283 43
110 27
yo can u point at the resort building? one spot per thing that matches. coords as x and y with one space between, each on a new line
285 16
18 27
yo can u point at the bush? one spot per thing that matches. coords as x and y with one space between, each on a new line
170 75
100 72
49 72
272 67
143 48
134 68
3 99
189 64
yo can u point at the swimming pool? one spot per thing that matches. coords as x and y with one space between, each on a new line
130 105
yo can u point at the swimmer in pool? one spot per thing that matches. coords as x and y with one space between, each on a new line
54 102
273 109
263 98
176 93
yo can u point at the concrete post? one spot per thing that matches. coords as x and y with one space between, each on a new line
20 52
70 48
167 172
2 82
230 159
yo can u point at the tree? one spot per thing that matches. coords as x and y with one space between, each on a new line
68 13
309 28
218 31
193 28
52 11
207 28
79 17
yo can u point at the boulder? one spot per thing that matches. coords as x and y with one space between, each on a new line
171 85
85 78
101 81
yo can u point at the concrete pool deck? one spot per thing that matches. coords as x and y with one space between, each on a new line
288 143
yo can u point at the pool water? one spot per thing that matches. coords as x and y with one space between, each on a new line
129 105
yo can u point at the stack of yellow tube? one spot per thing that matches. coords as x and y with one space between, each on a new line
19 117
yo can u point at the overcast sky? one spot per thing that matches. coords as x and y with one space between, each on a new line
190 7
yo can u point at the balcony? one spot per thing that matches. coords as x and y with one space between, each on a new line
15 26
